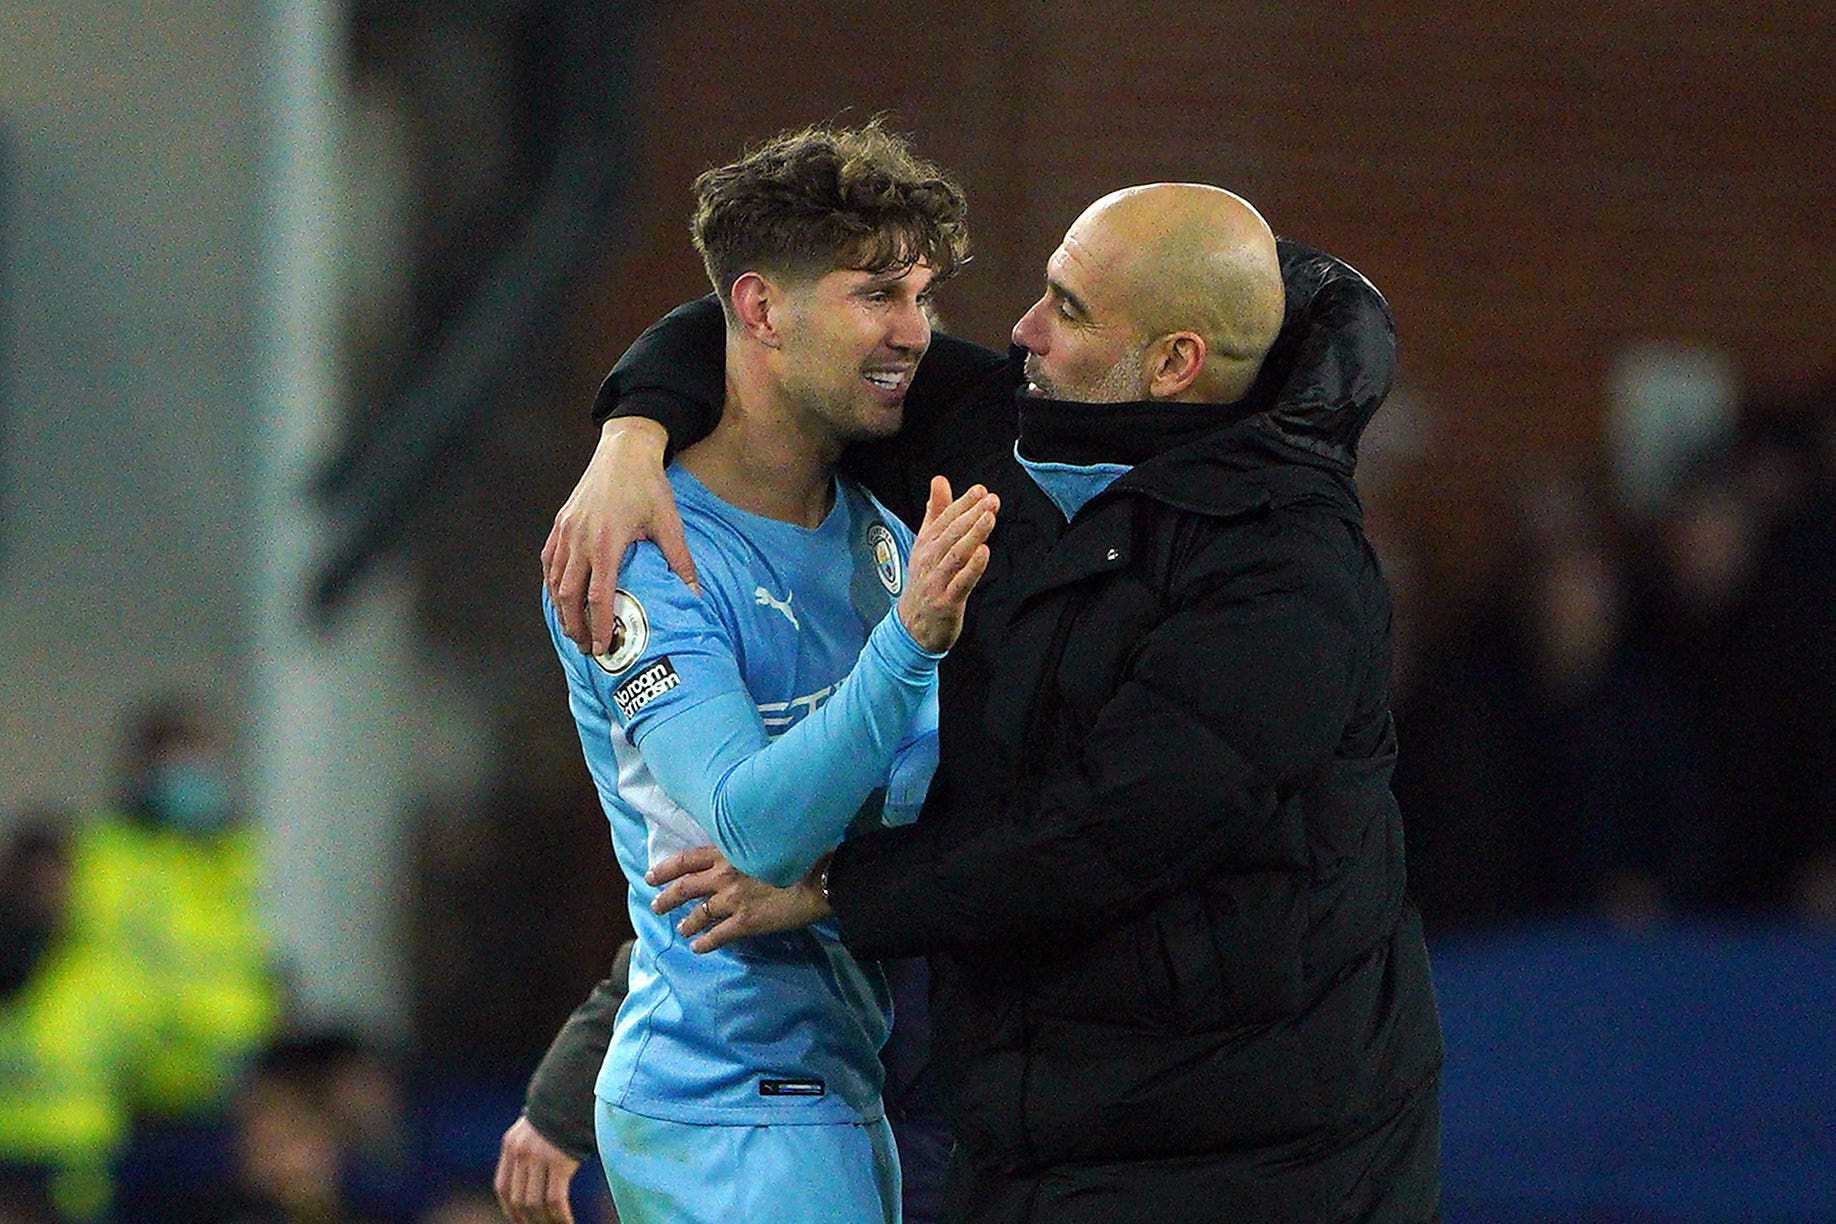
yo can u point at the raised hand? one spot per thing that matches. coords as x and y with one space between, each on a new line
948 559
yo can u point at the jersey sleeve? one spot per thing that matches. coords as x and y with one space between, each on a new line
774 807
671 684
670 650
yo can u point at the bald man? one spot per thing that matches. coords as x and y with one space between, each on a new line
1159 876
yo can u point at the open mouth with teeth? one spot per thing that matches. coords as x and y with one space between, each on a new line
888 380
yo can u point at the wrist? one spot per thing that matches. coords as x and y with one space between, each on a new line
640 436
904 650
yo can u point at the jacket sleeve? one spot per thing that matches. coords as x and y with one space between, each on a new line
1231 702
559 1100
675 373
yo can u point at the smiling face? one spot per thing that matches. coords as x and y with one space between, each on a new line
851 341
1081 345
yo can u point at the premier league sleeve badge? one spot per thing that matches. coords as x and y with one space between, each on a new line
630 634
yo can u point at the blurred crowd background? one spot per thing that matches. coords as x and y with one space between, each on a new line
302 307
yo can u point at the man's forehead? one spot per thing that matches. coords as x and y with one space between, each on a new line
1075 269
919 273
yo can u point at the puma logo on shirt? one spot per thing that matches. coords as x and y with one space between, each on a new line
764 599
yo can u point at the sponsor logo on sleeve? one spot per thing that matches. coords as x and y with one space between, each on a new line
886 558
630 634
645 687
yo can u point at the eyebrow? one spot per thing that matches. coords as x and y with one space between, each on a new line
1076 303
887 280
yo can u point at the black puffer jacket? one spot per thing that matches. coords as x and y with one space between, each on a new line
1160 875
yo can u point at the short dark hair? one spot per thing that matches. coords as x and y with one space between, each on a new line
808 202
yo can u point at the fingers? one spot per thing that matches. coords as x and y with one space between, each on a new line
974 535
568 572
668 532
697 886
533 1177
697 920
551 546
932 604
748 909
720 934
599 614
540 1196
695 858
955 536
941 547
942 519
623 495
512 1180
705 932
971 573
503 1182
938 501
554 1201
528 1184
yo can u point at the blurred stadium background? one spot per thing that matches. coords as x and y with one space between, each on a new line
302 306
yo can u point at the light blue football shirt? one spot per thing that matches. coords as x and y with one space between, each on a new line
725 720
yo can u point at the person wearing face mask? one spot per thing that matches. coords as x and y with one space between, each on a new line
166 887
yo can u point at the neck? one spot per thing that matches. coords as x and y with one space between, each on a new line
767 458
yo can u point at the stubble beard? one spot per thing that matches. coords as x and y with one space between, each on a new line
1120 384
853 418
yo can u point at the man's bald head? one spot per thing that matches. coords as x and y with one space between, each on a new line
1188 271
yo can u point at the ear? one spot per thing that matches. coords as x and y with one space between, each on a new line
1174 364
758 304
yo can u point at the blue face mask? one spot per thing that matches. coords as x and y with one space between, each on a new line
188 798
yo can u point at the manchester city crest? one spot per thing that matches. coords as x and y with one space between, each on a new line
630 634
886 560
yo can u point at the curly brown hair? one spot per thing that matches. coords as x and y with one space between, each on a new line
808 202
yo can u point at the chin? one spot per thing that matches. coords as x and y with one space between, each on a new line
872 426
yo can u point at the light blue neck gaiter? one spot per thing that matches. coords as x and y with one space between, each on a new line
1070 485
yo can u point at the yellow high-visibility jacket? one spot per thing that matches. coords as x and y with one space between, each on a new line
180 917
67 1040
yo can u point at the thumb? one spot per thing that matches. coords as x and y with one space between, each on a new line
940 498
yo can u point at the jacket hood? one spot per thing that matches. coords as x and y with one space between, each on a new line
1294 437
1332 363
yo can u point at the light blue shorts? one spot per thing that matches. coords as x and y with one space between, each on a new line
665 1172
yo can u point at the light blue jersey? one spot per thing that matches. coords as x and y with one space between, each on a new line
734 720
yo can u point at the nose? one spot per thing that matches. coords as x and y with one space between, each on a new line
1028 334
911 329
